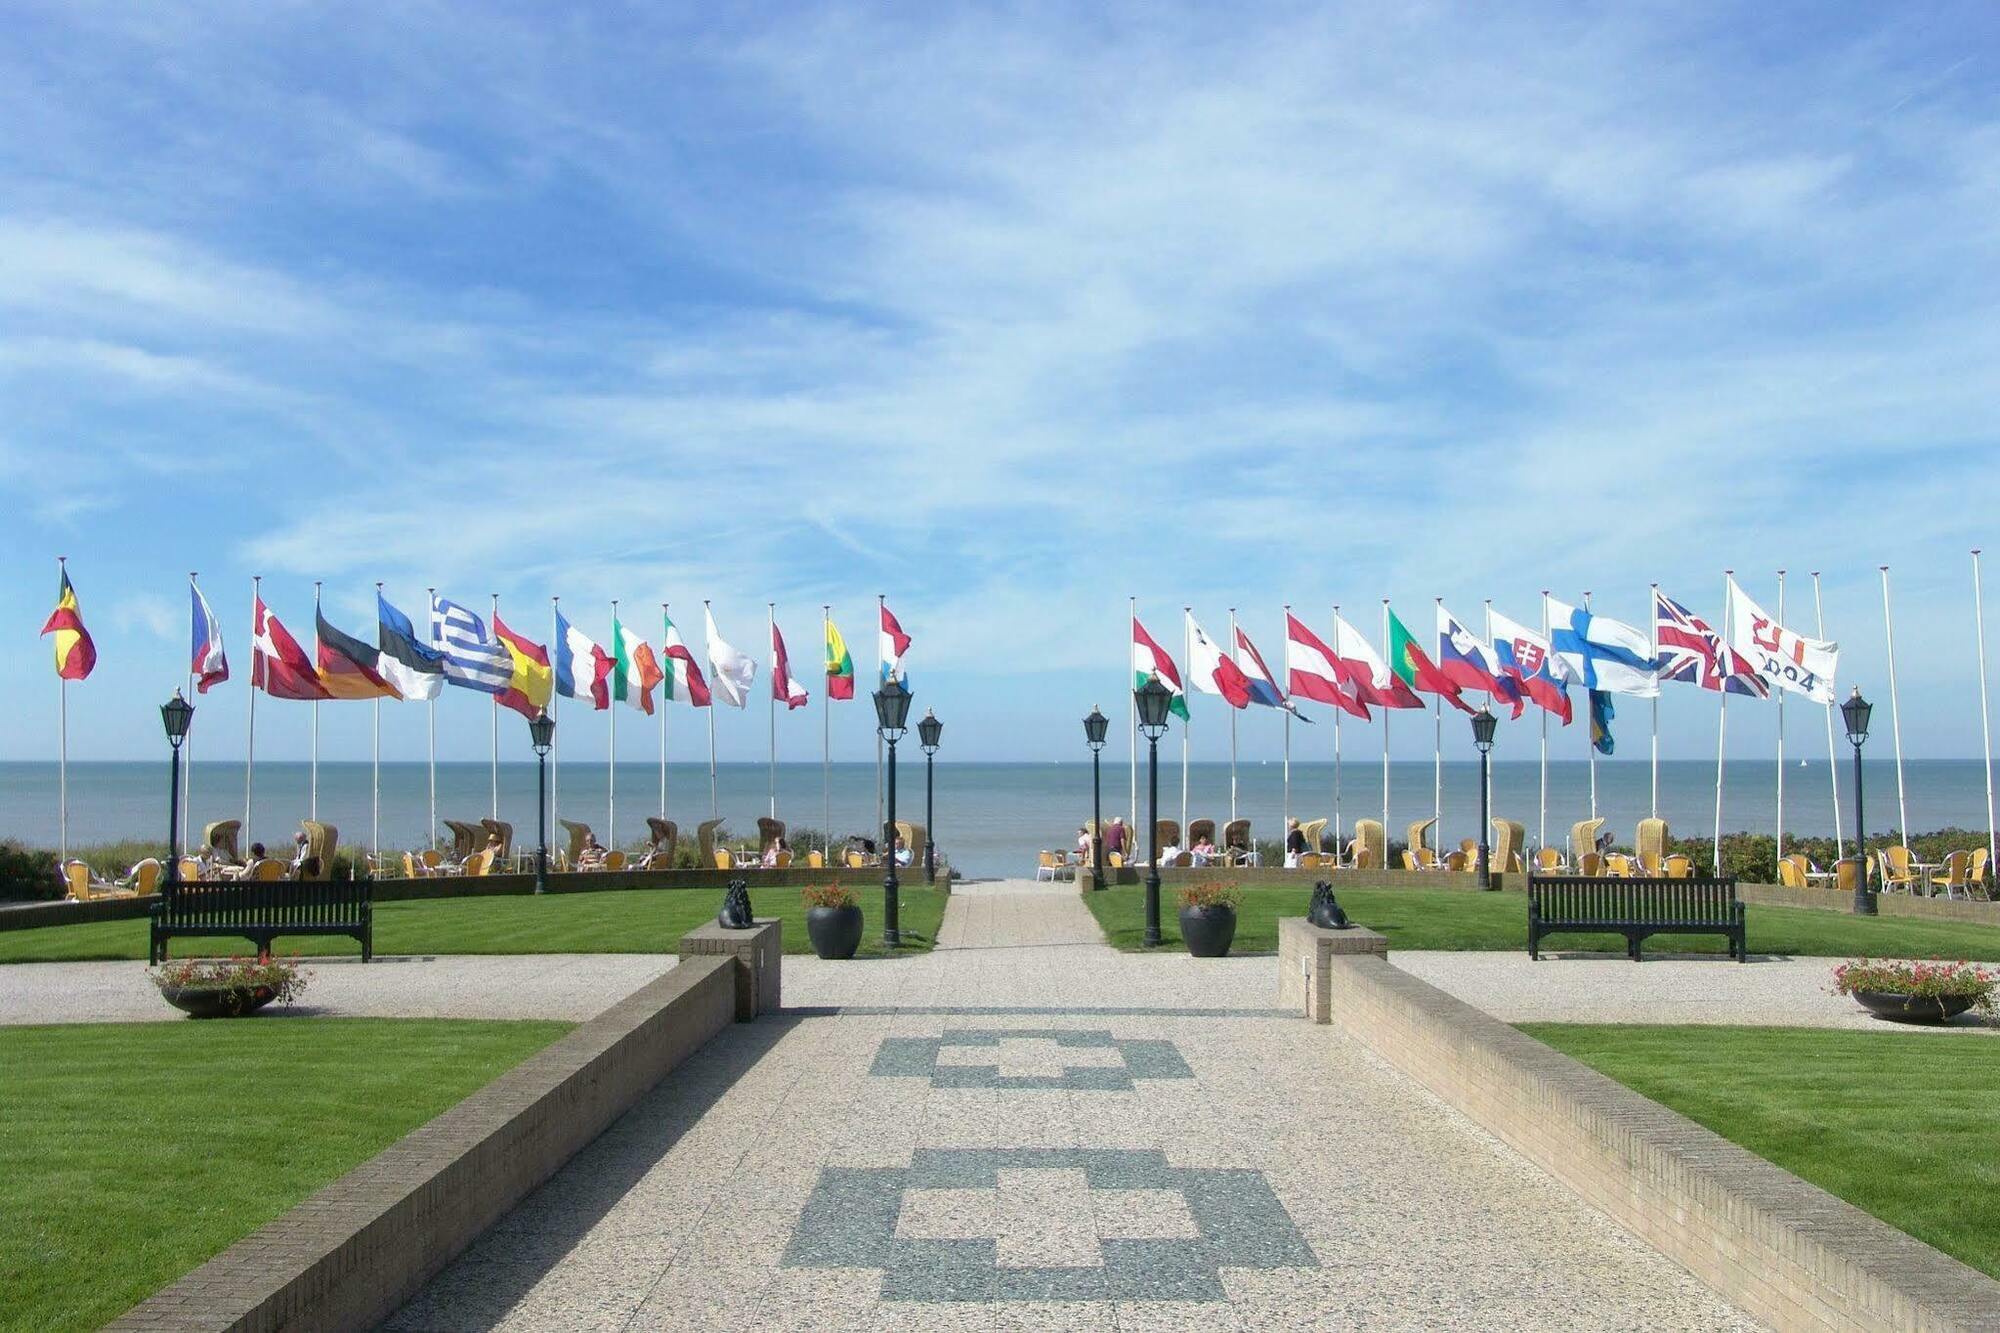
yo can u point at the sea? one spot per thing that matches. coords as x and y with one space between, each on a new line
989 820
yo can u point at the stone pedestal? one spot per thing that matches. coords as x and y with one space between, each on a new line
1303 951
759 953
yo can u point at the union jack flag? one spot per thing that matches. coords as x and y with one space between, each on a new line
1691 651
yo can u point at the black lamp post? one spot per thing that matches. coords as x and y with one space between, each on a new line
176 713
928 732
542 735
1855 714
892 710
1153 700
1094 728
1483 723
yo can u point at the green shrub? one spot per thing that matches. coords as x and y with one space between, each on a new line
28 875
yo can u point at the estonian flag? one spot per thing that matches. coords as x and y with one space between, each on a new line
406 662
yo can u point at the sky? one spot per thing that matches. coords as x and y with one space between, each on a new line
1007 313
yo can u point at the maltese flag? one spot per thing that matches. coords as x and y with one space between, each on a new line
1211 671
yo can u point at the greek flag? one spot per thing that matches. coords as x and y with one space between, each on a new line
472 656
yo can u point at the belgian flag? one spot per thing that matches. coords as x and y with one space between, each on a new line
75 653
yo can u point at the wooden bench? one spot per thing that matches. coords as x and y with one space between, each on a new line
1634 908
260 911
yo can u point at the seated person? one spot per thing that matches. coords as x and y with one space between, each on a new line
1115 837
1204 851
770 858
303 862
1295 843
590 856
1082 845
249 867
492 849
902 853
208 864
1169 854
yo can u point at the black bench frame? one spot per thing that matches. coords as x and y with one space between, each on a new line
262 910
1634 908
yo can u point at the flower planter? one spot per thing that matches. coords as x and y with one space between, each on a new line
218 1002
1900 1008
1208 931
835 932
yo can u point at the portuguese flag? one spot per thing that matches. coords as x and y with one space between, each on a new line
1415 669
839 665
75 653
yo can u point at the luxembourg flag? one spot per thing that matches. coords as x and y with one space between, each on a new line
208 665
1263 687
1310 671
1211 671
583 670
1469 664
1523 656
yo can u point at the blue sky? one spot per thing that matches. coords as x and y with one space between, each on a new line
1009 313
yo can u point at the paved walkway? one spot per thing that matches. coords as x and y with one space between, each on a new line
1026 1129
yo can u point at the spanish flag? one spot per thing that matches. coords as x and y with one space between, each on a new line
532 683
75 653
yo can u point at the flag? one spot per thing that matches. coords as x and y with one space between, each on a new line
784 689
634 669
533 682
1213 673
684 679
839 665
1523 657
413 667
733 673
1263 686
1310 672
1469 664
347 666
1415 668
1603 654
894 644
1150 661
472 657
278 666
1783 657
1690 651
75 653
1366 676
1601 713
583 670
206 660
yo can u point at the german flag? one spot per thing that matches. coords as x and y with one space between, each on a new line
347 666
75 653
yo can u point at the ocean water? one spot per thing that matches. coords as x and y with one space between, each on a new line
990 818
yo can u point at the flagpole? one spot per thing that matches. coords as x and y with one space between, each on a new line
1385 733
1338 841
664 702
1288 727
710 617
375 766
1895 712
1654 807
1488 770
1187 702
1985 721
1544 836
826 738
312 799
1589 740
1781 731
430 595
1722 714
771 702
1832 767
496 722
250 728
62 735
1437 760
556 648
881 600
187 750
1232 723
1132 715
611 749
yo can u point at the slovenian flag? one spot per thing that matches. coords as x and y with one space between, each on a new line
207 663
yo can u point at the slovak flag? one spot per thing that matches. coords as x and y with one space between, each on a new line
1263 687
207 664
583 670
785 688
892 645
1466 662
1523 657
1211 670
1310 670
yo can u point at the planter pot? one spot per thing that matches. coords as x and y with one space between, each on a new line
213 1002
1208 931
1913 1009
835 931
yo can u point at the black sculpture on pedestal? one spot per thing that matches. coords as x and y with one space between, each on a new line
735 913
1325 912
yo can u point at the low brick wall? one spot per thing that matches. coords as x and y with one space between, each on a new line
69 912
481 886
1785 1252
1278 876
1979 913
353 1253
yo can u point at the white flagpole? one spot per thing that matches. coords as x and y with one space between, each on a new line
1385 732
1131 709
496 719
1489 770
375 764
664 702
771 702
1544 836
1590 741
1288 725
187 752
1437 760
1895 712
1722 715
1781 731
1337 834
555 698
881 600
1187 699
1832 766
430 611
312 799
712 801
250 727
1654 807
1232 723
1985 721
611 749
62 743
826 740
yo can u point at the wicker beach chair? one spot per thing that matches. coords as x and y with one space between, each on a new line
665 837
704 835
1583 838
1652 837
321 839
465 838
1509 837
1417 835
1168 831
769 831
506 832
1201 830
577 833
1237 845
1314 831
220 837
1370 848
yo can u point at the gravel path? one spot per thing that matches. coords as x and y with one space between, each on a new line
1765 992
562 986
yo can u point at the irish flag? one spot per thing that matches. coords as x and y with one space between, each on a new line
75 653
634 671
839 665
1149 659
684 680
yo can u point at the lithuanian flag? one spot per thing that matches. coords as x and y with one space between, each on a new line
839 665
75 653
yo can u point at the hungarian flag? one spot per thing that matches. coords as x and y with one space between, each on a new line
894 643
1310 672
684 679
75 653
634 669
1415 669
1365 675
1149 660
783 688
278 666
582 669
1211 671
348 668
533 682
206 662
839 665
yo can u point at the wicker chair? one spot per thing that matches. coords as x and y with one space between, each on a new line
506 833
1314 832
465 838
1509 837
769 831
321 839
704 834
220 837
666 836
1201 830
1236 843
1370 848
1583 838
1418 836
1652 837
577 833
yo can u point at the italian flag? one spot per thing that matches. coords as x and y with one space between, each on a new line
1149 659
1415 669
634 671
682 678
839 665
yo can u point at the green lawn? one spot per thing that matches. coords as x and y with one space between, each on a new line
1443 919
1897 1124
135 1151
612 921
